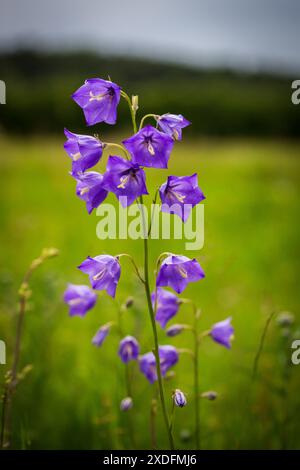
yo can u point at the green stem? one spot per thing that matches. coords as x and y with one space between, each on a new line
148 296
155 336
112 144
132 111
196 380
155 116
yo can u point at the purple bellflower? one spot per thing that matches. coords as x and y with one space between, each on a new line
180 194
104 272
84 150
167 305
129 349
178 271
179 398
126 404
172 124
150 147
175 329
222 332
168 357
101 335
99 100
80 299
125 179
90 189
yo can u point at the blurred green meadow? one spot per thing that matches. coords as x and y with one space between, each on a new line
70 400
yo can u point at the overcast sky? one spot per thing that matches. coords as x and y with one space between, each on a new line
251 33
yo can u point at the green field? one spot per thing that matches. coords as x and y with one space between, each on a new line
251 259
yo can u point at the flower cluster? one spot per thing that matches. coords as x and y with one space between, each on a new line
125 177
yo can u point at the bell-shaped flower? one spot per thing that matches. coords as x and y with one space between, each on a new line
90 189
180 194
172 124
125 179
166 305
223 332
101 335
178 271
99 100
84 150
129 349
168 356
150 147
104 272
80 299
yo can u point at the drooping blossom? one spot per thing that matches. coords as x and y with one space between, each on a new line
126 404
172 124
168 357
179 398
129 349
175 329
90 189
210 395
150 147
125 179
80 299
104 272
179 194
99 100
101 335
222 332
178 271
84 150
167 305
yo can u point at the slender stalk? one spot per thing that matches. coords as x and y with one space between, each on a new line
148 297
153 413
127 381
196 379
112 144
12 379
155 336
261 345
136 269
155 116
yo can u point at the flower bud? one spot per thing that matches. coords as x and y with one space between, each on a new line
185 435
210 395
285 319
179 398
135 103
129 302
126 404
175 330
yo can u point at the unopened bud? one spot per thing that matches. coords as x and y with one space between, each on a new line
179 398
175 330
50 252
185 435
285 319
126 404
170 375
135 103
211 395
129 302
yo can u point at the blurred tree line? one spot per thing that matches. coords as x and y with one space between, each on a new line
218 102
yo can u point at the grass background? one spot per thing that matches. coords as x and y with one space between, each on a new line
251 259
